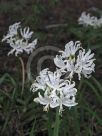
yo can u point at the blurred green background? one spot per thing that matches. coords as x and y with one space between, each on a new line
54 23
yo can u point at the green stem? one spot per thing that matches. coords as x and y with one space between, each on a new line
23 74
57 123
49 123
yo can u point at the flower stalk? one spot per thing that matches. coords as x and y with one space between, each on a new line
57 123
23 74
49 124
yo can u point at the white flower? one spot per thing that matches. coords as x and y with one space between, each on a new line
87 20
65 65
59 62
55 82
69 88
16 47
70 49
68 101
41 80
19 46
25 33
47 101
28 47
19 39
13 30
67 96
85 63
47 79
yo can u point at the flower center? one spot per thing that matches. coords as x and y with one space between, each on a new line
71 57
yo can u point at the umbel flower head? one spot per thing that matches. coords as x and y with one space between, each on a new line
20 39
53 91
74 60
88 20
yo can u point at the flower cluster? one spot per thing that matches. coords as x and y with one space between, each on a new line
74 60
53 90
56 91
19 39
88 20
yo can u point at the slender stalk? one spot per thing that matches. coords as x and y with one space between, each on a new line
49 123
23 74
57 123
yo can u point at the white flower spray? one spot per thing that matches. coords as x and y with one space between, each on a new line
73 60
88 20
20 40
56 91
